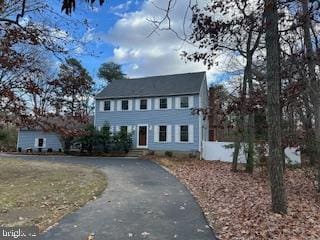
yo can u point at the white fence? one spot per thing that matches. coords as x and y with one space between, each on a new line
223 151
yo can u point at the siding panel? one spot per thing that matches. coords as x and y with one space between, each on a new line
27 140
153 118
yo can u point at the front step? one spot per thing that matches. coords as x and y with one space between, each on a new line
136 152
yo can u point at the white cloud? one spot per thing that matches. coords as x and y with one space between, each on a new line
89 35
160 53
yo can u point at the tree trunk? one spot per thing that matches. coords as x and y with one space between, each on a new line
251 122
236 149
275 166
240 126
314 84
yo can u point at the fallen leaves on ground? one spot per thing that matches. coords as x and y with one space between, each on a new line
237 205
41 193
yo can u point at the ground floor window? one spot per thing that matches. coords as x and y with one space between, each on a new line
184 133
162 133
40 142
124 129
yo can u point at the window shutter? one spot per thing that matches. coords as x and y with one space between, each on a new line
130 105
156 134
137 103
191 133
169 103
101 106
36 141
169 133
191 101
177 133
149 104
119 105
112 105
156 103
129 129
44 142
177 99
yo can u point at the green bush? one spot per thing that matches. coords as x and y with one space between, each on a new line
168 154
89 140
8 139
103 141
122 141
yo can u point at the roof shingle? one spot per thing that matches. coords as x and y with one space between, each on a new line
166 85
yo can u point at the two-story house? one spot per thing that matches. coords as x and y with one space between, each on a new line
157 111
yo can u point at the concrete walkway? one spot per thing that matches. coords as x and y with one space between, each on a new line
142 201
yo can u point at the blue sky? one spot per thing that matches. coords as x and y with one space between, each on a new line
118 31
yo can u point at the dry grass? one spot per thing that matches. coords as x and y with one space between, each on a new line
41 193
237 205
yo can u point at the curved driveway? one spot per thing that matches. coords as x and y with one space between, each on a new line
142 201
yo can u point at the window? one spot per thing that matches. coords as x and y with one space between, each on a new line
124 129
162 133
40 142
163 103
184 133
107 106
125 105
184 102
143 104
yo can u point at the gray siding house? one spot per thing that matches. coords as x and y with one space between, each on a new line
36 139
157 111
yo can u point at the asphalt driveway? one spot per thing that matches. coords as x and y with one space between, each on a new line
142 201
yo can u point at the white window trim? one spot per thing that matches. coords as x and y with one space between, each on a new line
101 105
160 103
104 102
190 133
140 104
188 102
119 105
166 133
36 142
157 103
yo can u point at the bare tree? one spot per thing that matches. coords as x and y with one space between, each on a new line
275 163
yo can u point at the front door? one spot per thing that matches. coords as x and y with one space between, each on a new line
142 136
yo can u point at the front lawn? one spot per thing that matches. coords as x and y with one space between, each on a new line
237 205
41 193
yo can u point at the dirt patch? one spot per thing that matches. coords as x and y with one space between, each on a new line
237 205
41 193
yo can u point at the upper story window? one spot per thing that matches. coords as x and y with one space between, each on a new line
162 133
143 104
107 106
124 105
163 103
184 133
184 102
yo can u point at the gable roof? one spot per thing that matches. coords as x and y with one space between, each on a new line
166 85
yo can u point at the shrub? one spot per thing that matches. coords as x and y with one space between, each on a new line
168 154
151 153
122 141
89 139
